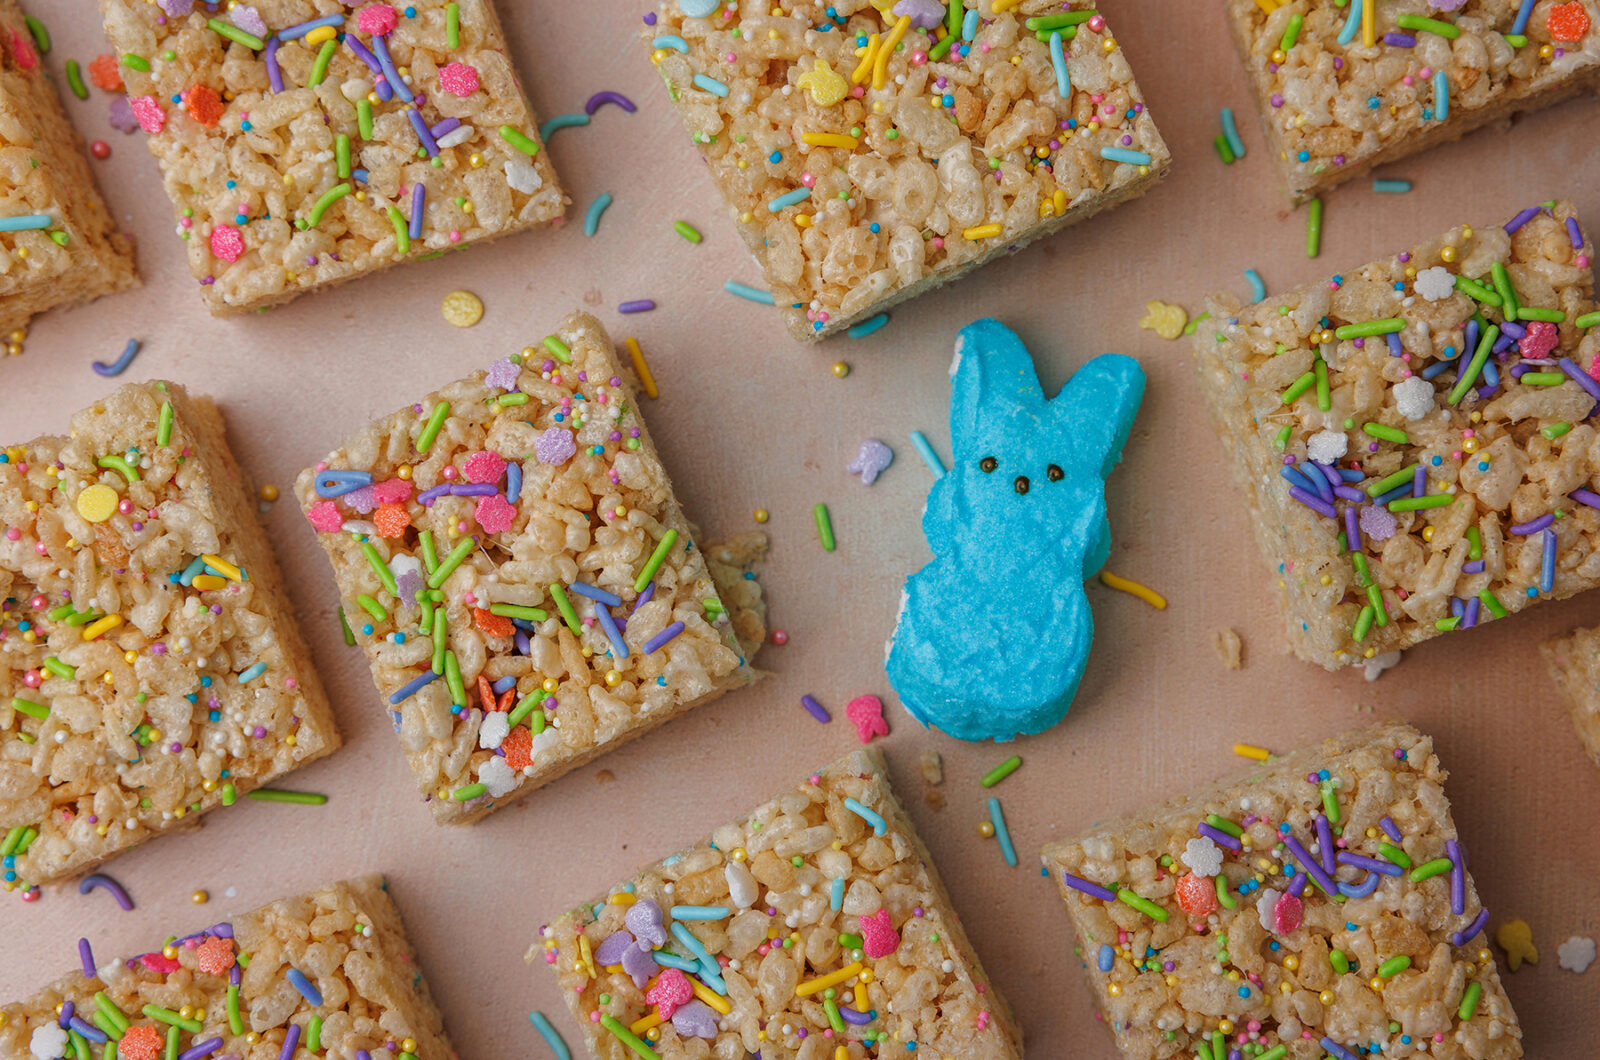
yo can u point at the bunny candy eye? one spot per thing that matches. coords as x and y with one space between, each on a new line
1021 484
1054 473
988 464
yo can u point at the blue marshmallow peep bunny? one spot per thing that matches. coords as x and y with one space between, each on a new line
993 634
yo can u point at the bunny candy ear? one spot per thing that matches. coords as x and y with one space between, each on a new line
994 390
1096 408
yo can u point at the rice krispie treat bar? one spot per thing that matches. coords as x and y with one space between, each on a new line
1349 85
514 562
1574 662
307 142
1319 906
871 153
816 928
150 668
329 973
1413 437
58 245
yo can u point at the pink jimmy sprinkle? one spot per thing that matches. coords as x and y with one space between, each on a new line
152 119
458 79
227 242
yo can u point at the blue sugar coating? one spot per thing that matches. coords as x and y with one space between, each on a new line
993 634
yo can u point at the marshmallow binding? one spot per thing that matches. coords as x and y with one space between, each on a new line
993 634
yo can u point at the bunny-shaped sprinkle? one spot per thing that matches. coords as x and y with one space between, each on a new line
994 633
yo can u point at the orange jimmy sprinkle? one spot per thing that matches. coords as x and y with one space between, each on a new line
214 956
392 520
104 73
204 105
494 625
518 746
1567 22
140 1043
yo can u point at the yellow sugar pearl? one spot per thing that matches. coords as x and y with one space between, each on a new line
1326 997
1466 231
746 218
289 740
155 735
97 503
1291 962
409 1045
613 678
840 369
1427 533
550 684
1469 445
252 1038
1485 955
1326 579
17 335
169 952
101 829
762 515
1280 56
466 207
1447 254
1172 980
1109 46
1376 983
462 308
109 678
404 471
180 813
4 1019
738 854
986 829
21 252
1225 1026
187 1012
269 492
208 785
288 179
1115 990
1546 51
743 164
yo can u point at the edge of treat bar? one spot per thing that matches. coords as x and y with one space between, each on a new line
1573 661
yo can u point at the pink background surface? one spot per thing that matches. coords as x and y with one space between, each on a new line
749 419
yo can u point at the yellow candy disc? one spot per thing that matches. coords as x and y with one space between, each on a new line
97 502
462 308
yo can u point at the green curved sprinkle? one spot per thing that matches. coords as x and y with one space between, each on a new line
235 34
379 567
164 426
468 793
402 234
1427 870
75 79
1394 966
121 464
518 139
1143 904
329 197
364 118
564 605
41 36
430 430
1469 1000
136 62
319 69
452 25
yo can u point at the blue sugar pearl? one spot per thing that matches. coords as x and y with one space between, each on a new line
1244 991
559 417
875 227
240 218
245 126
948 100
1532 592
399 638
367 629
1427 113
205 682
1483 466
775 157
861 40
1304 156
1374 102
1072 123
1285 829
215 715
411 12
232 184
662 681
1437 460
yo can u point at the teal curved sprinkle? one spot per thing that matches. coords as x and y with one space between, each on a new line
711 85
788 198
591 219
745 291
673 41
1122 154
551 1036
561 121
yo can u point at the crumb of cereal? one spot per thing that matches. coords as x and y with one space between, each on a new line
605 776
1574 664
932 764
1230 648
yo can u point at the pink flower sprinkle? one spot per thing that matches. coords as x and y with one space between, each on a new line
227 243
1541 338
325 517
152 119
392 491
458 79
377 19
495 514
484 467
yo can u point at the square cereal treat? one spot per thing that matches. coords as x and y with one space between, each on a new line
1574 662
1317 906
307 142
515 534
815 928
150 668
870 154
58 245
1412 437
329 973
1344 87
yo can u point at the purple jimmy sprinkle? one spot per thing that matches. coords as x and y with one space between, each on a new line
1533 527
1579 376
361 52
1390 829
64 1017
1395 348
428 143
86 958
91 1033
638 305
596 594
380 48
200 1050
1512 328
291 1042
1521 219
446 126
1336 1050
1350 493
650 590
274 74
473 489
815 709
852 1016
1460 937
1457 608
1362 889
524 644
1586 497
1352 528
1309 864
1419 481
660 640
1319 482
1547 563
1330 473
1315 503
1470 618
89 883
1458 874
419 194
1218 836
1474 566
1094 890
1325 843
428 496
1574 233
1297 885
1362 861
600 99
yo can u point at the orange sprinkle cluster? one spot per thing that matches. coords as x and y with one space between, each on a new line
392 520
140 1043
104 73
214 956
